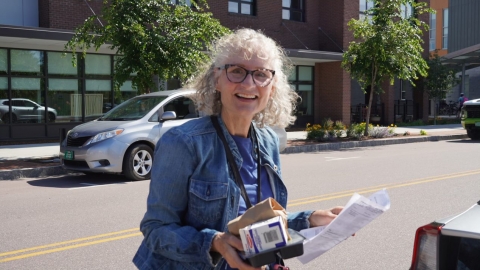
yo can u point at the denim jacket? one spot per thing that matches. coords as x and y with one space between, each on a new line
193 196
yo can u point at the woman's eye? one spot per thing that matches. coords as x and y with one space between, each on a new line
237 71
261 74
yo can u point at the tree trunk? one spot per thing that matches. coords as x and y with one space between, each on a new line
369 109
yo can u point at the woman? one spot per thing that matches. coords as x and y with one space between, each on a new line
193 194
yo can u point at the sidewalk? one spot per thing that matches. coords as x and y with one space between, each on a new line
51 150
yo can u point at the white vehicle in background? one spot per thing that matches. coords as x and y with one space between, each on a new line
25 111
123 140
470 116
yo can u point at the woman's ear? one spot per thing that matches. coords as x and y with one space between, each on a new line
272 94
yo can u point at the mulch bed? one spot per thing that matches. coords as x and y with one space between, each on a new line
28 163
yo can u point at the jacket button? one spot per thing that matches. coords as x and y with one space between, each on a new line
275 168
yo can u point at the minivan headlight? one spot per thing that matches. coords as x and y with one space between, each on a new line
104 135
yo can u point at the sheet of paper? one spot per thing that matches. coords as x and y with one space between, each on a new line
358 212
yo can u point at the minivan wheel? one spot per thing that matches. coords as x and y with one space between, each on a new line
138 161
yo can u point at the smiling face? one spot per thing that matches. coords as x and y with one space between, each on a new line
241 101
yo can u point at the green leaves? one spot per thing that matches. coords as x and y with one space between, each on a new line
387 46
151 37
440 79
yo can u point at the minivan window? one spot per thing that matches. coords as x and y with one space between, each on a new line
132 109
468 252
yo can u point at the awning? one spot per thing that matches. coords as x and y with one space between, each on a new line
470 57
310 57
36 38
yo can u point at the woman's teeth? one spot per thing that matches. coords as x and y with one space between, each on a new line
246 96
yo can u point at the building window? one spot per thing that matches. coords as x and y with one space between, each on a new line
301 80
293 10
445 29
63 87
3 61
364 6
181 2
433 28
246 7
406 11
21 13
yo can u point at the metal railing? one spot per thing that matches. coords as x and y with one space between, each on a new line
358 113
405 111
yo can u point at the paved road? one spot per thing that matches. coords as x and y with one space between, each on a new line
80 222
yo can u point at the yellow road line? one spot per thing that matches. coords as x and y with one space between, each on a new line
292 203
348 193
69 247
66 242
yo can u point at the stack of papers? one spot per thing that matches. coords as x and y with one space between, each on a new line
358 212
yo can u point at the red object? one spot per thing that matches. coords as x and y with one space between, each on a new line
425 248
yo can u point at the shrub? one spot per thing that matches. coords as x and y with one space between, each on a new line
380 132
314 131
327 123
339 127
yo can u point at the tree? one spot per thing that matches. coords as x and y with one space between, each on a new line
439 81
151 37
386 46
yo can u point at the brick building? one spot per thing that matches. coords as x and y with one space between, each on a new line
314 34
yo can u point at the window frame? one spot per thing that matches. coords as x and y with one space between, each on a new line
296 82
445 29
175 2
363 12
302 11
252 3
405 10
432 32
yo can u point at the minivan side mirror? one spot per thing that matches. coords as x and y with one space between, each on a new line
168 115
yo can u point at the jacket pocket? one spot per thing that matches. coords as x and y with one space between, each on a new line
207 200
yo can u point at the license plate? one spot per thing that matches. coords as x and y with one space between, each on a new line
69 155
477 124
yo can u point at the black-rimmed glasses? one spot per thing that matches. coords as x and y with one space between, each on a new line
237 74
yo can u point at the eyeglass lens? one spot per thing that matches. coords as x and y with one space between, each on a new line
238 74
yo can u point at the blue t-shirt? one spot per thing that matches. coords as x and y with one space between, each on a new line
248 171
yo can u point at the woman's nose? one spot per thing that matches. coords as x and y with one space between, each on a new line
249 80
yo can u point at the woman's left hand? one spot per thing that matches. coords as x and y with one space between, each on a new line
324 217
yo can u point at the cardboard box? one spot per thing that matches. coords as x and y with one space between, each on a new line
264 235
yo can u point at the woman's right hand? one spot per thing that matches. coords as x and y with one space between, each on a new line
228 246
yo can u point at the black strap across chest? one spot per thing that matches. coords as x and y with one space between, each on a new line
233 164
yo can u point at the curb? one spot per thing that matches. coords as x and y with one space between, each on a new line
33 172
377 142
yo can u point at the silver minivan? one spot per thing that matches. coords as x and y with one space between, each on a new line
123 140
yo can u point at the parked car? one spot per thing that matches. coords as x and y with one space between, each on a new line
470 116
449 243
25 110
123 140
